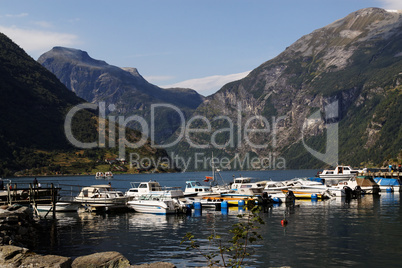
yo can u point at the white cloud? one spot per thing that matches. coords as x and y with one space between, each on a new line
43 24
16 15
209 85
391 4
36 41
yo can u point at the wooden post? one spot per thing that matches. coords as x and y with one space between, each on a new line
53 201
15 192
30 193
8 194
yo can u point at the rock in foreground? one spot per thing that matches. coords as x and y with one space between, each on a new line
110 259
13 257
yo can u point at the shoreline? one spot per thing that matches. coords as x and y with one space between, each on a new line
140 173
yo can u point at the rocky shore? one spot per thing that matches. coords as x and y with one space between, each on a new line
19 231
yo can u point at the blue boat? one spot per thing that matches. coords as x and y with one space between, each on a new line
388 184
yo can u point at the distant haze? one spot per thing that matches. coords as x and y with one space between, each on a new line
210 84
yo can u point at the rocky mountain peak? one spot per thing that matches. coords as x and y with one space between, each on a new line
132 71
336 43
72 55
354 62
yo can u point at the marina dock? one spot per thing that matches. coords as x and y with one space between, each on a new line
384 174
28 194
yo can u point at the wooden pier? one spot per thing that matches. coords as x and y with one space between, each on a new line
384 174
31 195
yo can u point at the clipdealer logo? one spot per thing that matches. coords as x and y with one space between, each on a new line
240 135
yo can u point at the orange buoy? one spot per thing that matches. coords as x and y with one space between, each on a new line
284 222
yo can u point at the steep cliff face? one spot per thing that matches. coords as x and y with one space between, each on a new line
123 88
349 70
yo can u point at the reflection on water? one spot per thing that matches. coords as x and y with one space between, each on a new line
330 233
364 232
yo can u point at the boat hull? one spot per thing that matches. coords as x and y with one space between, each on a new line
231 200
153 206
306 195
60 207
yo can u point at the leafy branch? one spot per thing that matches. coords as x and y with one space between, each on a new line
232 252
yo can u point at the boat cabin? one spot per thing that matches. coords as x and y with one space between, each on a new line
340 170
196 188
154 188
275 187
99 191
248 186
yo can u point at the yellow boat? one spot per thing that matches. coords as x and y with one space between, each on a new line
232 201
306 195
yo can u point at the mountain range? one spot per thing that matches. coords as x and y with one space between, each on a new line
332 96
124 88
34 105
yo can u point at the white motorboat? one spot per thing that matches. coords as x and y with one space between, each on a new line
101 197
155 204
152 188
195 188
365 183
108 175
330 191
304 185
274 187
99 175
340 173
248 186
64 204
297 183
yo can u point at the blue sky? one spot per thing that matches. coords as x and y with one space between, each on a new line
172 41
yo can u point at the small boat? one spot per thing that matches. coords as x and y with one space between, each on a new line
101 197
154 204
388 184
309 187
108 175
365 183
340 173
232 200
301 194
64 204
274 187
247 186
297 183
152 188
99 175
195 188
206 202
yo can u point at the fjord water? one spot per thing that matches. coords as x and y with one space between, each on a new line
332 233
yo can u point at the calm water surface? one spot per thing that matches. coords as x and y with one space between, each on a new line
331 233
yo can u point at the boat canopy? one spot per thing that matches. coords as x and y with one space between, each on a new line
365 181
387 181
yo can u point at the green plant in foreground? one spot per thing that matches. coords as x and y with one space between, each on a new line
232 252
